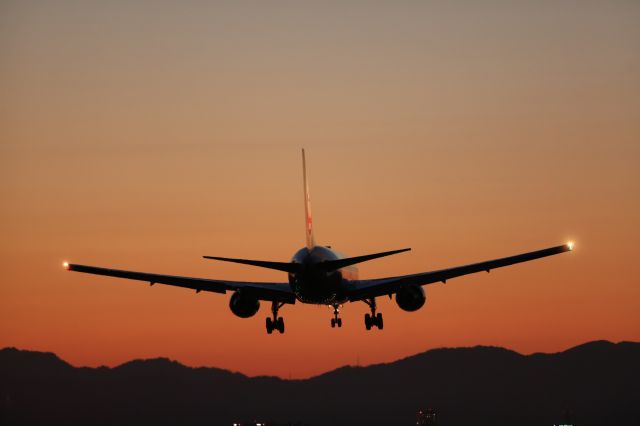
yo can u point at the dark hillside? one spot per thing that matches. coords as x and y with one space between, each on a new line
598 381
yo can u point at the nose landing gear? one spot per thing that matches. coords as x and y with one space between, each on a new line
336 320
373 319
277 323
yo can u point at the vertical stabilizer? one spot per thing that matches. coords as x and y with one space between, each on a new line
307 206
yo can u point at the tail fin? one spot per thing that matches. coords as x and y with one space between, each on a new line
332 265
279 266
307 206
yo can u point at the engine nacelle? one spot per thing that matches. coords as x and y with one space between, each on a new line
244 305
411 298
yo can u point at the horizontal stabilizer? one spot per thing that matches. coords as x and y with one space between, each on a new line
279 266
332 265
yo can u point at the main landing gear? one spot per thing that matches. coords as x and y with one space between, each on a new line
277 323
373 319
336 320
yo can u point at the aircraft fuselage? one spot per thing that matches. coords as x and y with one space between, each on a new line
315 284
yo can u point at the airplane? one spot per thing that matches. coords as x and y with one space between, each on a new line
320 275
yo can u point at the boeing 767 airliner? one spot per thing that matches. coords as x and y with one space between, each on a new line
322 276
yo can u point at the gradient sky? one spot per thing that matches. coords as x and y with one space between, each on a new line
143 135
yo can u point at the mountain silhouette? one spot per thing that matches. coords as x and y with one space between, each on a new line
597 382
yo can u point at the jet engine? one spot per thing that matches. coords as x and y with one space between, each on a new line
244 305
411 298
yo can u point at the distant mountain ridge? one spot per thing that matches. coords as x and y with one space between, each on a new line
599 382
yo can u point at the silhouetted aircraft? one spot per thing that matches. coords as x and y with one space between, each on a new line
320 275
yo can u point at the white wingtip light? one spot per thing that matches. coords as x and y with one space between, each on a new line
65 265
570 245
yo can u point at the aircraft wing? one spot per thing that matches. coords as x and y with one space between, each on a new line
365 289
277 292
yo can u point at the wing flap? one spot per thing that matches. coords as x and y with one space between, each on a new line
279 292
365 289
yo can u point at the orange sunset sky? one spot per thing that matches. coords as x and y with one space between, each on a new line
143 135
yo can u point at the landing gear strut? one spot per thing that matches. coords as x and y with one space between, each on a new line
373 319
277 323
336 320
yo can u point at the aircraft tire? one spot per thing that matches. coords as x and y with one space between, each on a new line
379 321
280 325
269 324
339 321
333 323
367 321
